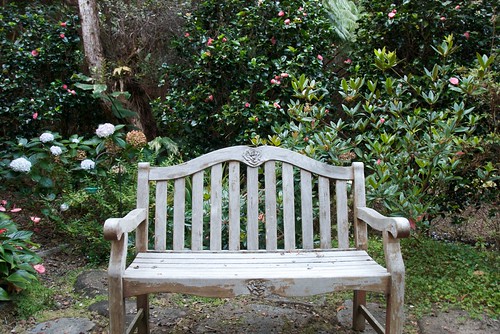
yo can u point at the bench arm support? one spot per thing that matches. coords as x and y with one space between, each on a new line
114 228
398 227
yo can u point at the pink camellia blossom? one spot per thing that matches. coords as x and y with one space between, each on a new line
64 86
301 9
287 21
3 230
35 219
210 41
62 35
273 40
466 35
224 39
71 91
247 105
14 209
382 120
63 24
273 81
277 77
34 53
35 115
186 34
276 105
442 18
39 268
454 81
391 15
457 7
284 75
348 61
210 97
281 13
320 57
378 162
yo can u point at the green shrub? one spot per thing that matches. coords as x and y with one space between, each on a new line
40 53
237 58
18 263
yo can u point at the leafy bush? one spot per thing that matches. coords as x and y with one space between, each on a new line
411 131
40 53
412 28
18 263
236 61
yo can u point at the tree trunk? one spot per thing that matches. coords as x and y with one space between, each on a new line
91 39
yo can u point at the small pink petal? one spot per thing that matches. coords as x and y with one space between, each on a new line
2 209
16 209
35 219
39 268
3 202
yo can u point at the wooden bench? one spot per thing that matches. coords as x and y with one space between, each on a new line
258 221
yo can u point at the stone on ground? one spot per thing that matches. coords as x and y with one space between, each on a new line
64 325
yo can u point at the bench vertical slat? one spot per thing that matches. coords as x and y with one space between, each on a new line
179 213
141 236
288 206
325 228
161 216
252 208
216 207
234 205
270 218
197 212
307 209
342 218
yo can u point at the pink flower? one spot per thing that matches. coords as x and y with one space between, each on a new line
3 202
382 120
284 75
281 13
273 40
62 35
35 115
273 81
186 34
14 209
276 105
3 230
348 61
34 53
210 41
72 92
210 97
457 7
466 35
287 21
301 9
39 268
35 219
63 24
454 81
378 162
277 77
459 153
64 86
247 105
224 39
320 57
391 15
2 208
442 18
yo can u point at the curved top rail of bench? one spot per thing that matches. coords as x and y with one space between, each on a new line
253 157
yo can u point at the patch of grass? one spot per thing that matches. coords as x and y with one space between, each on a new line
35 299
448 275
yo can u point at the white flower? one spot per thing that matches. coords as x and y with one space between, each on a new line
20 165
105 130
87 164
64 207
75 140
55 150
46 137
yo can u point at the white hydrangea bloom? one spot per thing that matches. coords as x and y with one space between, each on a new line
20 165
87 164
55 150
46 137
105 130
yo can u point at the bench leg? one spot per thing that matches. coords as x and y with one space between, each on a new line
116 306
143 324
394 320
358 320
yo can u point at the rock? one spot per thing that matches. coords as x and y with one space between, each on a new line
64 325
102 307
92 283
457 322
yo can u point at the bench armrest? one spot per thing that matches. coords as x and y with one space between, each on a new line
115 227
399 227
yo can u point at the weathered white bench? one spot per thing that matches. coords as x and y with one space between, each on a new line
258 221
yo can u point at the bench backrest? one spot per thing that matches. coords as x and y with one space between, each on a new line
250 198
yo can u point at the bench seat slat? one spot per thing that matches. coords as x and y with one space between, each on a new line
225 274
